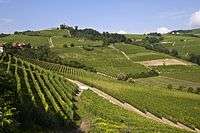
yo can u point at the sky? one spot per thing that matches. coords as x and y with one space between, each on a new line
121 16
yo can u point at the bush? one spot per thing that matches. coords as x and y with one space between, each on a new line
72 45
122 77
131 80
190 89
198 90
65 45
181 88
169 86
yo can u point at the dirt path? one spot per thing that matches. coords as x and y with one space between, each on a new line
51 42
162 62
129 107
126 56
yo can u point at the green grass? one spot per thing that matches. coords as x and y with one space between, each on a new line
103 116
34 40
189 73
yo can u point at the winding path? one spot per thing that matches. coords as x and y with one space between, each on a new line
129 107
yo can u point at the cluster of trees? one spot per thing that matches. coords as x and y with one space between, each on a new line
195 58
4 35
95 35
162 49
183 88
128 77
153 38
41 52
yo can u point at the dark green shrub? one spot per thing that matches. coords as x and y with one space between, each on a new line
122 76
198 90
65 45
169 86
72 45
190 89
181 88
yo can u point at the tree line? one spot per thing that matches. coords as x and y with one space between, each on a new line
92 34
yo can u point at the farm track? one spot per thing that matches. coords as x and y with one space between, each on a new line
51 42
130 108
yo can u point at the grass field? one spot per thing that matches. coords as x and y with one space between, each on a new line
101 116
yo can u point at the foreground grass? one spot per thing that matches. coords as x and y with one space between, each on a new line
102 116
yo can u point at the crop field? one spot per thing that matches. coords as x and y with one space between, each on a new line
41 89
163 82
184 45
189 73
34 40
104 60
152 99
101 116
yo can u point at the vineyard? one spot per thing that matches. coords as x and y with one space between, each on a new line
104 117
42 90
151 98
105 60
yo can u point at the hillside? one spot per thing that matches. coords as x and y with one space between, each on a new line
45 67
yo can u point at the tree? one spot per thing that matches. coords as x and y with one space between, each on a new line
76 28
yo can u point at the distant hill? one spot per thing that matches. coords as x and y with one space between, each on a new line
193 31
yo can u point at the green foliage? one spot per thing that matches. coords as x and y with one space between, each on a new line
195 58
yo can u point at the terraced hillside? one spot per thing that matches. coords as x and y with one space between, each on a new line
153 99
101 116
172 94
48 95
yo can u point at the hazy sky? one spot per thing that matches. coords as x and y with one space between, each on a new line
133 16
